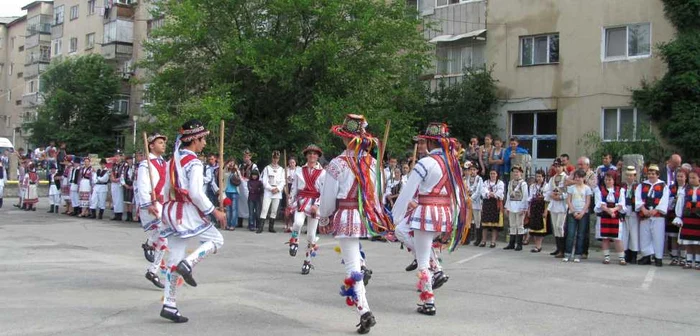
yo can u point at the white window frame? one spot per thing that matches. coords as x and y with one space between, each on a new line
91 7
533 37
456 3
89 45
462 49
603 49
635 117
56 46
535 133
58 15
74 12
72 50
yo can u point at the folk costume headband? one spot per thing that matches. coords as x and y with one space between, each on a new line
312 148
189 131
192 130
155 136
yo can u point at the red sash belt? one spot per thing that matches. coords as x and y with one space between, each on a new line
348 204
434 200
309 194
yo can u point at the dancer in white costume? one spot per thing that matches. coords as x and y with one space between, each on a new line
150 194
305 198
186 213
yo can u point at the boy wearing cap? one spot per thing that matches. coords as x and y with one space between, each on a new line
127 182
54 189
74 185
149 187
630 238
651 203
273 179
99 191
556 194
116 186
305 198
186 213
474 184
516 208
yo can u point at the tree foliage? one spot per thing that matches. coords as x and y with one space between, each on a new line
644 142
674 100
78 93
281 72
467 106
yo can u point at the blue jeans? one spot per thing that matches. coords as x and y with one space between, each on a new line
254 207
576 229
232 210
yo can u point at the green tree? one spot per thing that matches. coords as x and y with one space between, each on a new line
281 72
78 93
467 105
674 100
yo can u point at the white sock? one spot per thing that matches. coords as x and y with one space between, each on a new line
606 253
674 253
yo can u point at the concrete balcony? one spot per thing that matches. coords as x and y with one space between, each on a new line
31 100
37 39
34 70
37 57
117 51
57 31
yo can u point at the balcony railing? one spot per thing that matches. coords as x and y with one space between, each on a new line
57 31
31 99
34 70
117 51
32 58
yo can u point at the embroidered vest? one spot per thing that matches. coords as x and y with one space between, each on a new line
652 196
515 193
630 196
690 204
604 192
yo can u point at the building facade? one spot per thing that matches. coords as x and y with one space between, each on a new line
12 32
565 68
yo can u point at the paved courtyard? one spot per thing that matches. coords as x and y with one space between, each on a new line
70 276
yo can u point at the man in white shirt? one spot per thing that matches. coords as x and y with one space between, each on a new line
273 181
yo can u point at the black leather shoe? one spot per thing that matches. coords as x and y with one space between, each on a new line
152 277
366 274
367 321
439 279
427 309
185 270
306 268
644 261
413 266
658 263
172 316
293 249
148 252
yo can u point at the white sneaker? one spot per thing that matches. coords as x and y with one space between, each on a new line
577 260
566 259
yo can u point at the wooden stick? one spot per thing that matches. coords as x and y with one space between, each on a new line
221 170
382 150
414 157
147 150
286 185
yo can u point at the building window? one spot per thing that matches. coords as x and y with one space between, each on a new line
18 102
89 41
154 24
121 106
74 12
12 42
73 44
540 49
629 41
57 45
91 7
58 15
620 124
12 68
44 53
453 60
21 48
443 3
20 74
536 131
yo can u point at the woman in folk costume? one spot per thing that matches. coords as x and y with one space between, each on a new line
350 193
537 212
74 186
609 205
150 189
85 188
127 182
492 194
115 186
688 218
556 194
652 204
474 184
516 208
186 213
630 238
65 183
672 230
289 211
433 203
54 188
305 198
30 182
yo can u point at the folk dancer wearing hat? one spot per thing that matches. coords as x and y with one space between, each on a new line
305 198
433 203
186 213
677 188
54 188
98 199
273 179
474 184
21 188
537 211
516 208
556 194
138 158
115 186
688 218
609 206
127 182
151 208
65 183
245 169
351 196
74 187
85 187
651 204
630 237
30 182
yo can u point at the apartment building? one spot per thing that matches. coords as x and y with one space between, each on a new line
12 51
564 67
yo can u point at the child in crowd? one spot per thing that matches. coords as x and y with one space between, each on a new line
556 195
609 206
579 201
255 192
688 218
474 185
537 212
492 205
672 230
516 208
